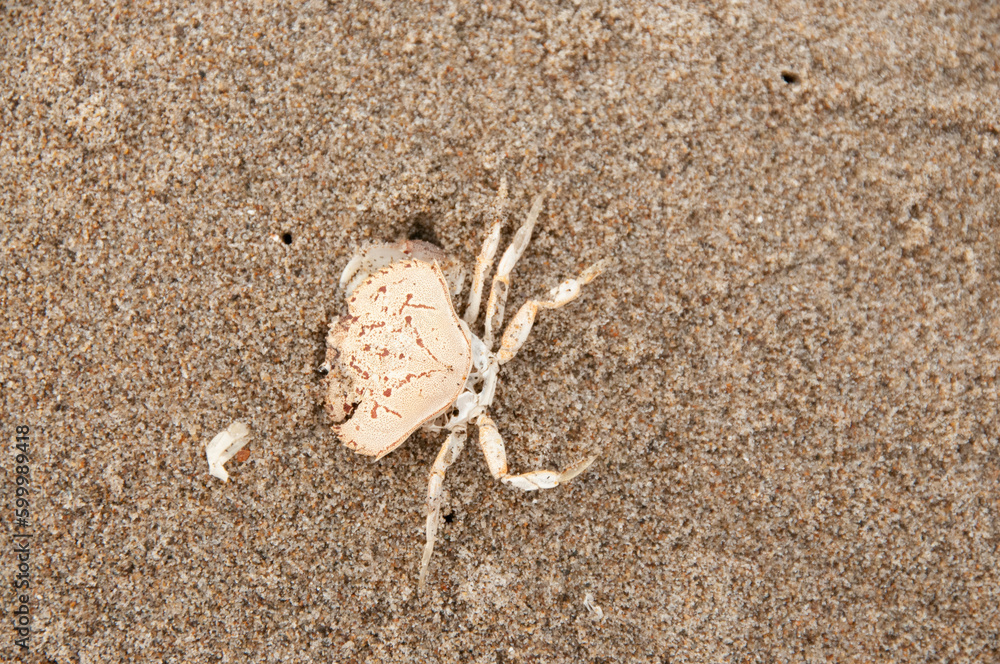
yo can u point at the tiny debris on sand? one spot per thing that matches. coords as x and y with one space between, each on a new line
224 446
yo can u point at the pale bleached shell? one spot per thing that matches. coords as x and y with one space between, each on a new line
224 446
404 352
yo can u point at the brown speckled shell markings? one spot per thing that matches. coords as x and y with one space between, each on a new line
403 352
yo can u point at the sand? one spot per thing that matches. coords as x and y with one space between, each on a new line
789 369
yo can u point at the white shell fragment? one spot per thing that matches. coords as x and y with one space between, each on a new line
404 353
592 607
224 446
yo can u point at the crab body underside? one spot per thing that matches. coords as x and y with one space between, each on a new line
402 358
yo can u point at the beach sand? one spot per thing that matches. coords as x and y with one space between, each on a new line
789 369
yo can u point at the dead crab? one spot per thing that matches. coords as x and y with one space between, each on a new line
402 358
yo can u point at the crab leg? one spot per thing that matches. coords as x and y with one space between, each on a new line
486 255
449 452
501 280
496 458
520 325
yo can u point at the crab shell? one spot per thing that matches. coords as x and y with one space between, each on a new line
402 356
